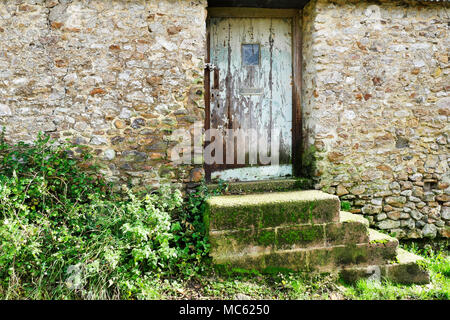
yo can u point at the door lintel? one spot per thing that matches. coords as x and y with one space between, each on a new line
235 12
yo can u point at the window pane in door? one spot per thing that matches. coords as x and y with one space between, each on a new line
250 54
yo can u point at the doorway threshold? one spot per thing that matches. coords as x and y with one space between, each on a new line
256 173
272 185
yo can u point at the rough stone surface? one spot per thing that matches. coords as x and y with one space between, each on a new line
109 74
120 76
405 271
375 105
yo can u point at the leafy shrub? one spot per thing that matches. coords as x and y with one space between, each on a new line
46 169
191 237
64 234
346 206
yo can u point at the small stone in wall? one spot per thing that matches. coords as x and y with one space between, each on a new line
439 223
341 190
377 201
335 157
396 201
109 154
406 193
394 215
125 113
197 174
134 156
445 232
401 143
428 197
56 25
443 197
119 124
97 91
429 231
5 110
138 123
410 223
445 213
358 190
416 177
96 140
371 209
441 140
388 224
174 30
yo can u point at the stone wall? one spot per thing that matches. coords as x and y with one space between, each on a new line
376 108
118 76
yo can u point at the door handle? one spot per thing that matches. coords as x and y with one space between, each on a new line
216 80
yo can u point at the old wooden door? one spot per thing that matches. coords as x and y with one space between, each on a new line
251 89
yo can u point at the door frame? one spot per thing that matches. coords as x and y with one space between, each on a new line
295 15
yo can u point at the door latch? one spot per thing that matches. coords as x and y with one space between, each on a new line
211 67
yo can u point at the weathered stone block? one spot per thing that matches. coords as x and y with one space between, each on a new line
238 242
406 270
346 233
272 210
328 259
388 224
300 237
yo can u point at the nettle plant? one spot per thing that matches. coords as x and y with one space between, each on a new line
64 233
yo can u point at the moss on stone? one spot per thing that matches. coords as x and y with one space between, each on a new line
266 237
288 260
271 210
276 197
406 271
346 233
228 270
235 242
350 255
277 185
304 183
378 237
304 236
345 216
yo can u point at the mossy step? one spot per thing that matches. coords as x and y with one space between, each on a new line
268 210
375 249
231 242
405 270
381 238
275 185
383 243
345 216
321 259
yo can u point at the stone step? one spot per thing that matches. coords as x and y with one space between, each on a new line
405 270
345 216
301 231
230 242
379 249
275 185
270 210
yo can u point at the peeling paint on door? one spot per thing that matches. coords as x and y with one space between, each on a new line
254 61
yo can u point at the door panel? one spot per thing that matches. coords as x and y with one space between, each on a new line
252 89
